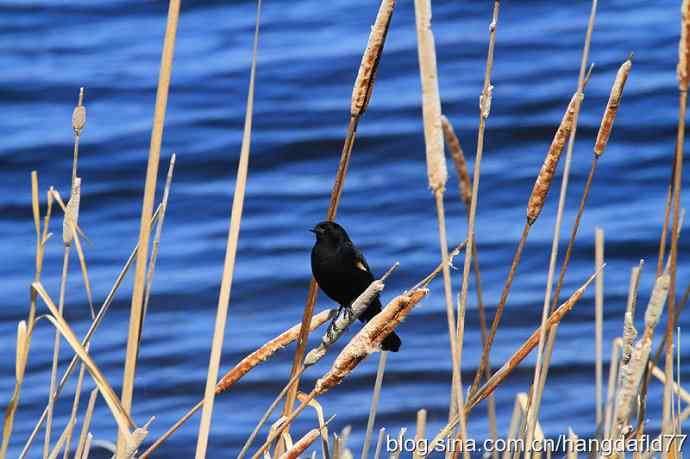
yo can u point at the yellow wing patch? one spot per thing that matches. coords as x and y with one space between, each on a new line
361 266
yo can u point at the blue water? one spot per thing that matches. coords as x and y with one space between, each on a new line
308 56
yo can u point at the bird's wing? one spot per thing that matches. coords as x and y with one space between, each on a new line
358 258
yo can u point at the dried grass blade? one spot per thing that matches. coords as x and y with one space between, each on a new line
86 424
121 416
230 253
146 212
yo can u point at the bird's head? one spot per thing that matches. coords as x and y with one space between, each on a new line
330 232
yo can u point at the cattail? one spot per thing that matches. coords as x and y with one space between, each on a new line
347 316
458 159
631 374
301 446
364 84
612 107
499 376
548 169
656 302
79 114
684 47
629 335
368 339
268 349
431 102
72 212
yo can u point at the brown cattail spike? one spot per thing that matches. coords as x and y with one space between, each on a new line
458 159
368 339
684 47
79 114
268 349
431 102
612 108
364 84
548 169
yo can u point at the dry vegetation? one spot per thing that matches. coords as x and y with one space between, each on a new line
621 411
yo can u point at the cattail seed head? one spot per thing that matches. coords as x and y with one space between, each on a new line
657 301
368 339
267 350
548 169
301 445
612 108
458 156
431 101
79 114
629 335
72 211
364 84
684 47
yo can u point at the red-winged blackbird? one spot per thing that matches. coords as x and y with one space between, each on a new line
343 274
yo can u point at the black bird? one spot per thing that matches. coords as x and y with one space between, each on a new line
343 274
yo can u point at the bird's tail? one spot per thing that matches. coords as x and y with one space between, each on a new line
391 343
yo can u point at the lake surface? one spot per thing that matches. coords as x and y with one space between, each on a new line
308 57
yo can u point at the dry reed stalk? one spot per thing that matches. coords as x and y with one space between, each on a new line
86 424
361 94
682 394
424 283
484 111
346 316
599 322
230 253
53 454
534 207
75 406
25 332
146 213
374 403
243 367
527 346
395 454
514 424
92 328
420 432
614 367
379 443
572 452
683 71
156 245
87 446
366 341
72 213
464 184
